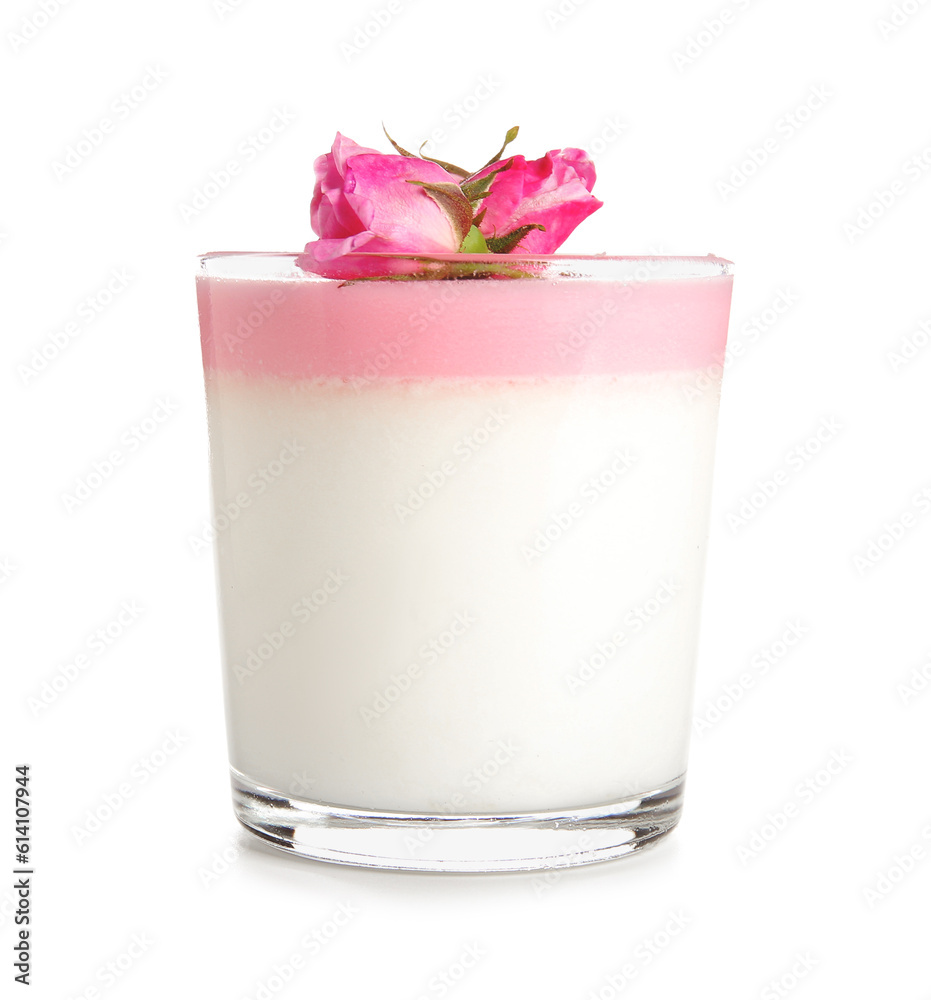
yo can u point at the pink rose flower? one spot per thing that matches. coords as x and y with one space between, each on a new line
363 203
554 191
366 202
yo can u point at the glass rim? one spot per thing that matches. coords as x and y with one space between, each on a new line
285 265
476 256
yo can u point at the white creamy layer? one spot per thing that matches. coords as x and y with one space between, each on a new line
461 596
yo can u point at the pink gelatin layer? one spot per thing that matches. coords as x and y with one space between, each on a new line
311 328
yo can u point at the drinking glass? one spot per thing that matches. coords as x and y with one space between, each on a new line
460 518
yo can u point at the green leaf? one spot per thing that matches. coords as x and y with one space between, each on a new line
474 242
450 168
453 202
508 139
505 244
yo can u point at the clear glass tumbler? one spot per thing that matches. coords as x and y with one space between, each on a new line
460 523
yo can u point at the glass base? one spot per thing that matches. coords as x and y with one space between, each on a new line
457 843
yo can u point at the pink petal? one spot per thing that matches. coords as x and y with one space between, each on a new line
403 214
346 259
330 214
343 148
554 190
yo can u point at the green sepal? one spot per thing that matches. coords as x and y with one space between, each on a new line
453 202
476 190
400 149
474 242
508 139
505 244
450 168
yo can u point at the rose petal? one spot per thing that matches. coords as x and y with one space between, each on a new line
554 190
403 214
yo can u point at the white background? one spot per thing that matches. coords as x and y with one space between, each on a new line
670 108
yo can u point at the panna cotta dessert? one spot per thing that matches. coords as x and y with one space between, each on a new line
460 528
461 492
